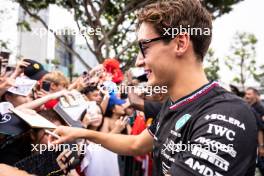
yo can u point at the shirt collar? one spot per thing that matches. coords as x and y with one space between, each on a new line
193 96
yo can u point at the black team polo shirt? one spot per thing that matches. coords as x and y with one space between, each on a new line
210 132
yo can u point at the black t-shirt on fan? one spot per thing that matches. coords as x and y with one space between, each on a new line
210 132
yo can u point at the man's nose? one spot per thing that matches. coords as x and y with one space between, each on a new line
140 61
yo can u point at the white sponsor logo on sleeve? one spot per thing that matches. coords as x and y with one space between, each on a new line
224 118
218 145
202 169
221 131
211 157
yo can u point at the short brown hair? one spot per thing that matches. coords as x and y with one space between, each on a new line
57 78
52 116
176 13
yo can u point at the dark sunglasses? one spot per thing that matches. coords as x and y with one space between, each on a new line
147 41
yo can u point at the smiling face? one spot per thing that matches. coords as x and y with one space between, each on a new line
169 62
159 62
251 97
94 96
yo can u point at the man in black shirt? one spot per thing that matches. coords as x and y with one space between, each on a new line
203 134
201 129
252 97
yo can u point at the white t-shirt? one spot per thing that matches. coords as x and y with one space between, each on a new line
99 161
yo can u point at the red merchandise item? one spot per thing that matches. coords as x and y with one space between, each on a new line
50 104
112 66
117 76
139 125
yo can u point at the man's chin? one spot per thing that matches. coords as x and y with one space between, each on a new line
152 82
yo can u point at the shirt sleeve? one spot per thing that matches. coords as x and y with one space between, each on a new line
258 117
221 138
151 109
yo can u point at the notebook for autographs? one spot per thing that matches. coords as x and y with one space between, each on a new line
33 119
71 109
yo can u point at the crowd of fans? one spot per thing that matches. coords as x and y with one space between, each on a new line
109 103
115 111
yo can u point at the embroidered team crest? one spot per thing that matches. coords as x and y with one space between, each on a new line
182 121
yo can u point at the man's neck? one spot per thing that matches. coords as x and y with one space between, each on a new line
188 82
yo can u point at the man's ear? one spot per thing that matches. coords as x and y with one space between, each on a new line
182 42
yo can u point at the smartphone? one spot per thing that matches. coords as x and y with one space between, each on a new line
46 86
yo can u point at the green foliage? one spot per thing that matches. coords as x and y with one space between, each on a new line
3 45
116 18
260 76
212 71
55 61
242 61
218 8
24 26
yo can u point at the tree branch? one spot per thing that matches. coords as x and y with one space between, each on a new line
85 38
95 13
103 6
70 50
125 48
130 7
96 41
79 27
128 64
